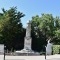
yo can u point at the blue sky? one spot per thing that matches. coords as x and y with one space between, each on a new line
32 7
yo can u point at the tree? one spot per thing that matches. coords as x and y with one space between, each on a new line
38 39
43 29
56 40
12 30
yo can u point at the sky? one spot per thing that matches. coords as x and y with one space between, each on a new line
32 7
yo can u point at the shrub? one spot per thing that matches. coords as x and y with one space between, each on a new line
56 49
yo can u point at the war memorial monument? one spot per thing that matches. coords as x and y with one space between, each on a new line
27 43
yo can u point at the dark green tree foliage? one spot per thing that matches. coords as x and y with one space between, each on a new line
43 29
57 31
12 30
38 39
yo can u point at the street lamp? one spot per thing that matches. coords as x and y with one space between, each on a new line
4 51
45 45
45 52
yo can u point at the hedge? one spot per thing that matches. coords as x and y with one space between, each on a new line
56 49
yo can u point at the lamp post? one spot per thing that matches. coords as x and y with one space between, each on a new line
45 40
45 52
4 51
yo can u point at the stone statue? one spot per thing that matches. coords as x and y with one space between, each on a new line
28 29
49 48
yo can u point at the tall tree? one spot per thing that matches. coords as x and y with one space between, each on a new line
12 29
56 40
43 29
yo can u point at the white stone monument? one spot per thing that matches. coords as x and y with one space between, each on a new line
28 39
28 42
49 48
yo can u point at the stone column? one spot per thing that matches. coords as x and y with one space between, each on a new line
28 30
27 41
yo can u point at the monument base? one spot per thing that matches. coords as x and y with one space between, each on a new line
25 52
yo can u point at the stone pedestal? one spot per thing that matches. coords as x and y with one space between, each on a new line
27 43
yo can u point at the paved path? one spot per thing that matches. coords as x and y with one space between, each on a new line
51 57
54 59
25 58
37 59
1 57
